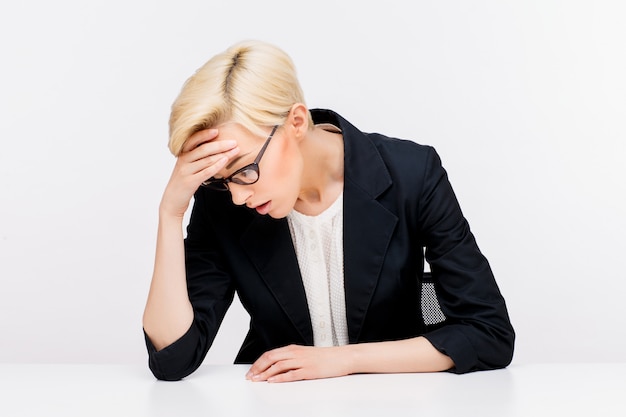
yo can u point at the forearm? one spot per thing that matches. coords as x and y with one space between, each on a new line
410 355
294 362
168 313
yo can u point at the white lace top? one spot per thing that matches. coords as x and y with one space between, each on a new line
318 241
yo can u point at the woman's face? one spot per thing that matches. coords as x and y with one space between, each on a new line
280 170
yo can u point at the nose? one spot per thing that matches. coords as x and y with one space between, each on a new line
240 194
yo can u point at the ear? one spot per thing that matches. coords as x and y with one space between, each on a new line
298 120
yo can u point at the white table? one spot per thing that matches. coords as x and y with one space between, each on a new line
116 390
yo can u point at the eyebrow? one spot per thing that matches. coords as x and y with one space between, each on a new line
234 161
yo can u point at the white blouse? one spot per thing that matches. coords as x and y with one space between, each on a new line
318 241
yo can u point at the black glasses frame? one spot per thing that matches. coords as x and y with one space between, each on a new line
221 184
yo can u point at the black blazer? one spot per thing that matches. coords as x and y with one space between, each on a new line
397 201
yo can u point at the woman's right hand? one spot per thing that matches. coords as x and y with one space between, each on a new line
202 157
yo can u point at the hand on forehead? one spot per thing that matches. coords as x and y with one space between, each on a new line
225 132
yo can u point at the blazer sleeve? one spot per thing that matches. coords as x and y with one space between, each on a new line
211 292
477 334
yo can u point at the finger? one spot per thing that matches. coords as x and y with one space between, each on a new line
200 137
289 376
279 368
210 171
268 359
209 148
211 162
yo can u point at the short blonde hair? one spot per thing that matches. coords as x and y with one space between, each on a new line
252 83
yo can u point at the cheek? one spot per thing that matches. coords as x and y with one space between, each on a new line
286 162
285 179
283 182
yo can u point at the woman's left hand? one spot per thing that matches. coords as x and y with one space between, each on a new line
295 362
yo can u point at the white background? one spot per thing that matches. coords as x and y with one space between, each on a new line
524 100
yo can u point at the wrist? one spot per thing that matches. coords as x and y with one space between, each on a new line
168 220
350 358
166 213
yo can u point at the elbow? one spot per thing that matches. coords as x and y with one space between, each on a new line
480 351
500 352
166 376
178 359
507 349
166 369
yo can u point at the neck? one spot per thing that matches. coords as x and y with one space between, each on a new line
322 175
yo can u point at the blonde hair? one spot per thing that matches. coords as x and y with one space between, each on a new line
252 83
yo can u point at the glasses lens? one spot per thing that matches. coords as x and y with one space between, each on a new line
246 176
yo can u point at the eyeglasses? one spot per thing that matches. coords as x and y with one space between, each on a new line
243 176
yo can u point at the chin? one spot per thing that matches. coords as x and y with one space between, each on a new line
277 215
279 212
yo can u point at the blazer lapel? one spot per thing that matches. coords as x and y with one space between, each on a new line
268 244
368 228
368 225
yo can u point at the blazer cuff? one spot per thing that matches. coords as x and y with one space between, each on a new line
451 341
173 362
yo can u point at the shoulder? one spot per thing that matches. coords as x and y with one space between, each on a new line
399 150
396 151
374 156
405 160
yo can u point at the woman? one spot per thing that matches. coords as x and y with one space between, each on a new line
320 229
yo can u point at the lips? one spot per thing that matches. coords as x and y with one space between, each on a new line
263 208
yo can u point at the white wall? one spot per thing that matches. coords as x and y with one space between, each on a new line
524 100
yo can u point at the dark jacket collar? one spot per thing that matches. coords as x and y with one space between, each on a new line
363 164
